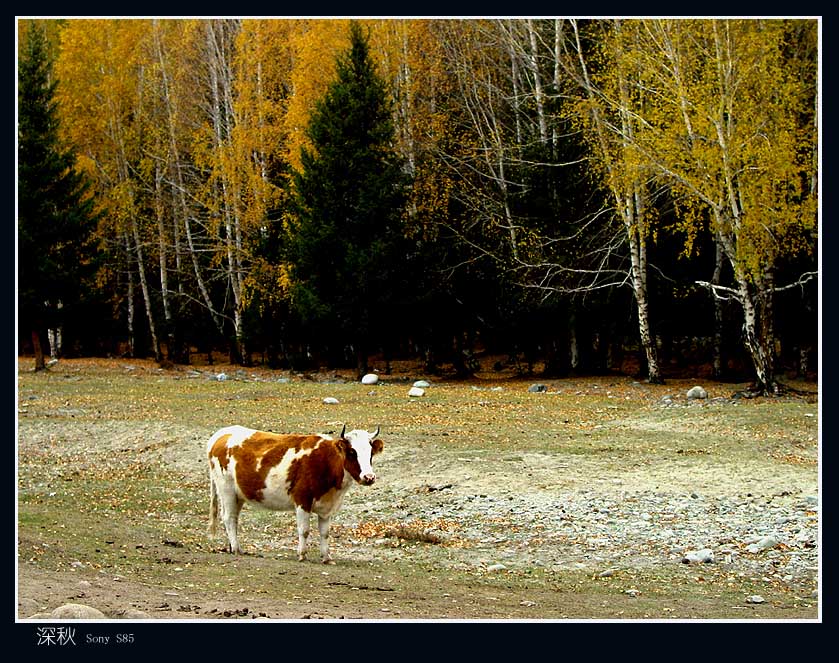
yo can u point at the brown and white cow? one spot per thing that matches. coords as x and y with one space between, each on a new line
284 472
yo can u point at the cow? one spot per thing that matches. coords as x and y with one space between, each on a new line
284 472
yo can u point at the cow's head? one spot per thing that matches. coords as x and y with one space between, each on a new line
359 448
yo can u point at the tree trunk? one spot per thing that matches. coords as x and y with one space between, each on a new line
718 363
223 120
54 336
573 343
639 279
144 286
757 344
362 367
40 364
132 340
758 327
537 82
168 322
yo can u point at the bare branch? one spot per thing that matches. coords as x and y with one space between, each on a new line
804 278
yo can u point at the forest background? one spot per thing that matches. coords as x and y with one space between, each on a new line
573 195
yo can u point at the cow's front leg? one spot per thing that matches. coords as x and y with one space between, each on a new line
302 532
323 528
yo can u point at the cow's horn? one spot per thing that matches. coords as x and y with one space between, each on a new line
376 434
343 430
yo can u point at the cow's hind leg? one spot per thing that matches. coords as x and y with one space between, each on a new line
303 519
231 506
323 528
213 507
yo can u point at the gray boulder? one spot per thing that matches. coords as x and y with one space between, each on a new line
697 392
76 611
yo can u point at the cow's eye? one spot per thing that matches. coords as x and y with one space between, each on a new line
351 453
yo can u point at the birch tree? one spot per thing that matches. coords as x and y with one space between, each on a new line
734 138
609 112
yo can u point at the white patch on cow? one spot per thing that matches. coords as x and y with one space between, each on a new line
275 495
238 434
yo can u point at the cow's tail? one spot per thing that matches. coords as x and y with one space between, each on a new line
213 504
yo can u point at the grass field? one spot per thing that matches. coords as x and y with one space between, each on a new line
112 497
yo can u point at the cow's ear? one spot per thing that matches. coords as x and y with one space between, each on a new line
377 445
344 445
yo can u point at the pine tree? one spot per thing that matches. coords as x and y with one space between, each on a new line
55 212
346 247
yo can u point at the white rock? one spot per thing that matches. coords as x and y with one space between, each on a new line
134 613
704 556
76 611
755 598
422 384
329 400
496 567
370 378
765 543
416 391
221 377
697 392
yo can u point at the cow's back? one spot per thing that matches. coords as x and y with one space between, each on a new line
272 470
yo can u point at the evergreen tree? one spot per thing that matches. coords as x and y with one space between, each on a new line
346 247
55 212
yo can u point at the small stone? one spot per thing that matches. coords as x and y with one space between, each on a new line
414 392
608 573
632 592
537 388
221 377
329 400
133 613
755 598
496 567
704 556
370 378
697 392
528 604
422 384
765 543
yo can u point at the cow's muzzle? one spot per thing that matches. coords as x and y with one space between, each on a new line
367 479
